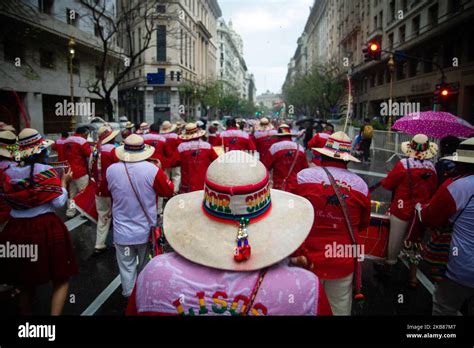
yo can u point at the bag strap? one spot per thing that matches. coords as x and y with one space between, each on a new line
293 164
136 194
257 286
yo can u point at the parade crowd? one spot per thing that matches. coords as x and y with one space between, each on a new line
247 221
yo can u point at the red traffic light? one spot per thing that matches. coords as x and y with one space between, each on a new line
374 47
444 92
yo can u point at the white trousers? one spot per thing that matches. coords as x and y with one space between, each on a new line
75 187
131 260
175 175
398 231
339 293
104 210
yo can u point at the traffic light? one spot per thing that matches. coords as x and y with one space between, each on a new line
178 76
442 93
373 51
172 75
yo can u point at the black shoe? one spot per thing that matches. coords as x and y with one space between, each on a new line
98 252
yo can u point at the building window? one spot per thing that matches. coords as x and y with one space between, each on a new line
161 9
162 97
416 26
433 15
414 68
454 6
45 6
161 43
390 41
13 50
47 59
392 11
401 34
402 71
98 72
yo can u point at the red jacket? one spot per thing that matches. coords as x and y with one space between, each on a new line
214 140
77 151
329 225
107 158
194 157
317 142
4 207
263 141
235 139
281 157
171 145
424 182
159 143
58 146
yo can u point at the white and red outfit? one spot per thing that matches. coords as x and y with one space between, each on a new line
329 227
263 141
130 223
235 139
418 187
194 156
77 152
171 146
280 159
58 146
214 139
171 285
103 202
317 142
4 207
159 143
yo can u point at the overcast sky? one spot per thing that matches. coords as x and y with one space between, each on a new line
269 29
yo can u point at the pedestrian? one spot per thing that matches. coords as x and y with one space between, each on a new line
8 151
151 135
367 134
264 137
454 202
77 151
210 273
339 217
34 190
103 157
235 139
58 146
412 180
445 168
214 137
319 140
134 184
168 132
285 159
309 132
194 155
128 130
143 129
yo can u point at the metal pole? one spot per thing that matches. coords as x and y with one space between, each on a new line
71 75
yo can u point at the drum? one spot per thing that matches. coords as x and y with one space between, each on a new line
375 238
85 202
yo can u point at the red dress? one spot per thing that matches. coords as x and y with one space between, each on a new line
77 151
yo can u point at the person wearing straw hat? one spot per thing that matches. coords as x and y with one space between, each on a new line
144 128
341 203
58 146
412 180
232 244
128 130
453 203
103 157
235 139
168 131
34 190
264 138
77 151
154 139
134 184
319 140
285 158
194 155
214 137
7 127
8 148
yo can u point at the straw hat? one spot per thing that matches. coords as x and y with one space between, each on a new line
192 131
265 124
31 142
134 150
284 130
216 124
167 127
7 127
420 147
464 152
203 226
8 145
338 146
144 128
129 125
106 134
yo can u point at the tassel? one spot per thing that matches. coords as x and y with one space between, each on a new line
243 250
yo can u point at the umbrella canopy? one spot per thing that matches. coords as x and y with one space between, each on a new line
434 124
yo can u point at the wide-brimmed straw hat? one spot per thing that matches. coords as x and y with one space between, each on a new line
144 128
8 144
167 127
215 124
237 204
134 149
129 125
265 124
284 130
420 147
7 127
31 142
106 134
338 146
464 152
192 131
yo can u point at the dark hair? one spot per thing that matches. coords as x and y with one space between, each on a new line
83 130
449 145
231 122
155 127
64 134
330 126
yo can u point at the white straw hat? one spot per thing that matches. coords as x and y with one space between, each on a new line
420 147
203 226
8 144
167 127
31 142
338 146
134 150
192 131
106 134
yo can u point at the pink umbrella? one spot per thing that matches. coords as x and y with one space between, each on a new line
434 124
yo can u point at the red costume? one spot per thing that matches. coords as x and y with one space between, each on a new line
159 143
263 141
317 142
59 148
171 145
235 139
107 158
77 151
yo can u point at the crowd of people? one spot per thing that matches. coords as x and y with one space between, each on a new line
252 225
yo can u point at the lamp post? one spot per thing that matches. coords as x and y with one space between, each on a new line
391 67
72 52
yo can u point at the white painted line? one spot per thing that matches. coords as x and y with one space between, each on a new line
363 172
103 296
422 278
74 223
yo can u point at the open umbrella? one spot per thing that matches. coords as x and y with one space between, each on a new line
434 124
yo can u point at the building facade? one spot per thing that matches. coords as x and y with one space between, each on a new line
268 99
183 51
35 76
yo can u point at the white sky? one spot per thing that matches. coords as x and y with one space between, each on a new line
269 29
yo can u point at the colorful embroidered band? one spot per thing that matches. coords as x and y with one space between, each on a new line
31 141
134 148
420 147
338 146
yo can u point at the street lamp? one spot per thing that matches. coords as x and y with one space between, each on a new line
72 52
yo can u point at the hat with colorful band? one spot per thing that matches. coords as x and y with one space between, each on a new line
31 142
420 147
8 144
284 130
192 131
106 134
134 150
237 222
167 127
338 146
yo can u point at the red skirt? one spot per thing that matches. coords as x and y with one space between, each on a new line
53 260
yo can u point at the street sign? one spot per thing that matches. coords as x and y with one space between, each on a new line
156 78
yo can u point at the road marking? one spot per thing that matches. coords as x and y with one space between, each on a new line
422 278
363 172
103 296
74 223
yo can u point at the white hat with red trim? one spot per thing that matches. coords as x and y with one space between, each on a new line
192 131
338 146
8 144
237 222
31 142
